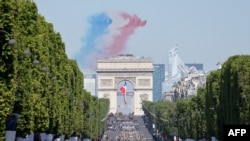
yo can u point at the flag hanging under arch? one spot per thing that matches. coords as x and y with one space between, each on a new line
123 90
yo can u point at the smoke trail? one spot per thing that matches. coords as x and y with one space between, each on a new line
98 27
107 36
119 41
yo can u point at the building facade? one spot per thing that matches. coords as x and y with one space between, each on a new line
198 66
90 83
183 80
158 79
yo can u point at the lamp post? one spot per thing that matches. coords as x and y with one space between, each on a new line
91 117
11 121
12 41
51 113
23 95
67 93
36 62
42 133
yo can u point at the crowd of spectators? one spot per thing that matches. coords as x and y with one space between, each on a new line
124 128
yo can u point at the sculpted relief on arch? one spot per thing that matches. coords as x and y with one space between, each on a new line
144 97
144 82
106 82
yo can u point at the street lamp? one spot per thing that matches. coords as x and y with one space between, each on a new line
43 69
12 41
26 53
10 127
36 62
21 94
51 110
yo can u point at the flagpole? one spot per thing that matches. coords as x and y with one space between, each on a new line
123 91
125 94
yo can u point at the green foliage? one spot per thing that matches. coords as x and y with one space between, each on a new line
224 100
162 114
212 102
48 97
234 98
53 100
6 100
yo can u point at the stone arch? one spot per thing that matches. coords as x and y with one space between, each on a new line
111 72
123 107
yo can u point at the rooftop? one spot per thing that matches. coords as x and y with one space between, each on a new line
125 58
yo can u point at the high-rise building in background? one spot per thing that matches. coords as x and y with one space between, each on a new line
177 80
183 80
176 69
172 53
158 79
90 83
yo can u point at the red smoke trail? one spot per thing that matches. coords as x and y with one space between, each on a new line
119 41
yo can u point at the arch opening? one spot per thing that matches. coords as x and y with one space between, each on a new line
125 103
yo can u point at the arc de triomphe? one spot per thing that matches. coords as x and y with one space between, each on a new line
126 67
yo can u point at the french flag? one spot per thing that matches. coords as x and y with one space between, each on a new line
123 90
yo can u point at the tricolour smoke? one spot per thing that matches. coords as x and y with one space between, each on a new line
119 41
106 36
98 26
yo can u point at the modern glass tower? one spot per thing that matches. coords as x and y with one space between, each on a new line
176 69
158 79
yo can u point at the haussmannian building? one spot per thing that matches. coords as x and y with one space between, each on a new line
183 80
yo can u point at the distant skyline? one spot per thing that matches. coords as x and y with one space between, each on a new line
205 32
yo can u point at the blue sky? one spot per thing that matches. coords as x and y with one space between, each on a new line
206 31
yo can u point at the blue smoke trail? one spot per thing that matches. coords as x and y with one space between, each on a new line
98 26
